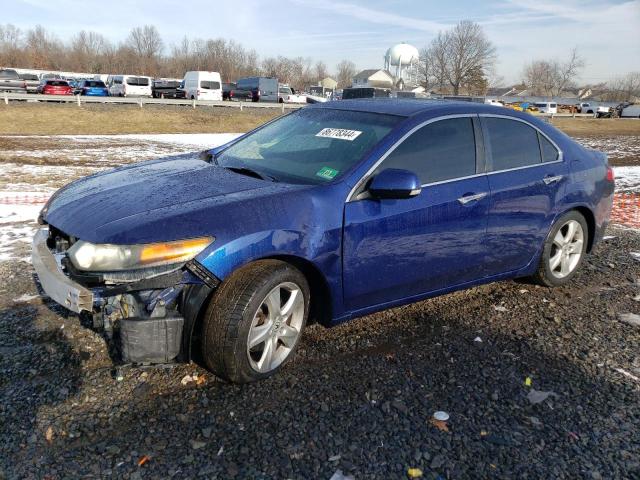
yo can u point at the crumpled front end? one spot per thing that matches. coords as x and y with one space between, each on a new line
140 311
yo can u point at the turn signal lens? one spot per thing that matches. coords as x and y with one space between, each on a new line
173 252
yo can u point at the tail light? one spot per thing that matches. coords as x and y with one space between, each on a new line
610 175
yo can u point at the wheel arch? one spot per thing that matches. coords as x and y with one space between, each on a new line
589 217
196 298
320 308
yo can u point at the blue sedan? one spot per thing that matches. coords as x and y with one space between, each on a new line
93 88
329 213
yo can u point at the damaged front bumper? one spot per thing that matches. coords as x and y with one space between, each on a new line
55 283
146 321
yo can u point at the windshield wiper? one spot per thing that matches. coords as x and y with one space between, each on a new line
251 173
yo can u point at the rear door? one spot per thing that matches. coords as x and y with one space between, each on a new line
397 249
527 177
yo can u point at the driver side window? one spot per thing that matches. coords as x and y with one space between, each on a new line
439 151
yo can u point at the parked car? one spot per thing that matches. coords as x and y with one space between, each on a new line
332 212
10 81
365 92
286 94
55 87
227 91
92 88
546 107
494 102
165 88
31 81
180 93
257 89
130 86
630 110
200 85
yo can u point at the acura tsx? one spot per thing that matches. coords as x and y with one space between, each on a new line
326 214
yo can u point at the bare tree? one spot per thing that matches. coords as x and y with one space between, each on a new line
86 52
147 46
43 48
552 77
624 89
460 56
321 72
345 71
10 45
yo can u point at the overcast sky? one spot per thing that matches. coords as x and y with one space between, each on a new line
606 32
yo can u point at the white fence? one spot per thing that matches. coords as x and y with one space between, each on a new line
142 101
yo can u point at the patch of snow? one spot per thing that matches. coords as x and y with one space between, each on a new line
25 298
627 178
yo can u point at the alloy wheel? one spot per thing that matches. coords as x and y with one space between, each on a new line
276 327
566 249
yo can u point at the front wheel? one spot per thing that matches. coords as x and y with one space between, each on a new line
254 321
563 251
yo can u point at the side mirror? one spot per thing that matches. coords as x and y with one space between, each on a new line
395 183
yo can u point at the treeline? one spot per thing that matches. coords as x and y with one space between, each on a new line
144 52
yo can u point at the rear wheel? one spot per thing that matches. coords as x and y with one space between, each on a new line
563 251
254 321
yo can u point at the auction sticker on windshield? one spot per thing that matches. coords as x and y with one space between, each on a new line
340 133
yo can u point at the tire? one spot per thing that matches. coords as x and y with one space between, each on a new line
244 308
564 250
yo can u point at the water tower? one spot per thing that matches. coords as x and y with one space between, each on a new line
401 61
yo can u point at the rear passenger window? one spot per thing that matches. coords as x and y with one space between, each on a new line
442 150
513 144
549 152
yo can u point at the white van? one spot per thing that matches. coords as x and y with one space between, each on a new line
199 85
130 86
630 111
546 107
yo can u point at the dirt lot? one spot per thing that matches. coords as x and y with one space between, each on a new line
358 398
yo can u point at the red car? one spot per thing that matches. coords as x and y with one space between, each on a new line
55 87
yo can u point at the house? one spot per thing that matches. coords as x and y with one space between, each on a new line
328 83
373 78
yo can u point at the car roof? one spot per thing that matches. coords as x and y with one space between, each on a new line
408 107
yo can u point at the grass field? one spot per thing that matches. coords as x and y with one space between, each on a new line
69 119
37 119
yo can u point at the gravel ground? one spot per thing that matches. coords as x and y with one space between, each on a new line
358 398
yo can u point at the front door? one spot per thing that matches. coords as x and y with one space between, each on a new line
397 249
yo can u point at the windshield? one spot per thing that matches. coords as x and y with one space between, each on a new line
209 85
57 83
94 83
310 146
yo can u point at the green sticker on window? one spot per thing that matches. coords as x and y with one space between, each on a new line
327 172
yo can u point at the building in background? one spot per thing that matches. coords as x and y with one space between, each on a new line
328 83
376 78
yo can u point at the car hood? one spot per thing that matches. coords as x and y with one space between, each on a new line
158 200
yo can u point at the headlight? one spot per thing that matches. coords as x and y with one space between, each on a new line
106 258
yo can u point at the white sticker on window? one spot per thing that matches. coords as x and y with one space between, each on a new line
340 133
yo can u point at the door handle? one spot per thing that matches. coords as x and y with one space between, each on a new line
551 179
472 198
